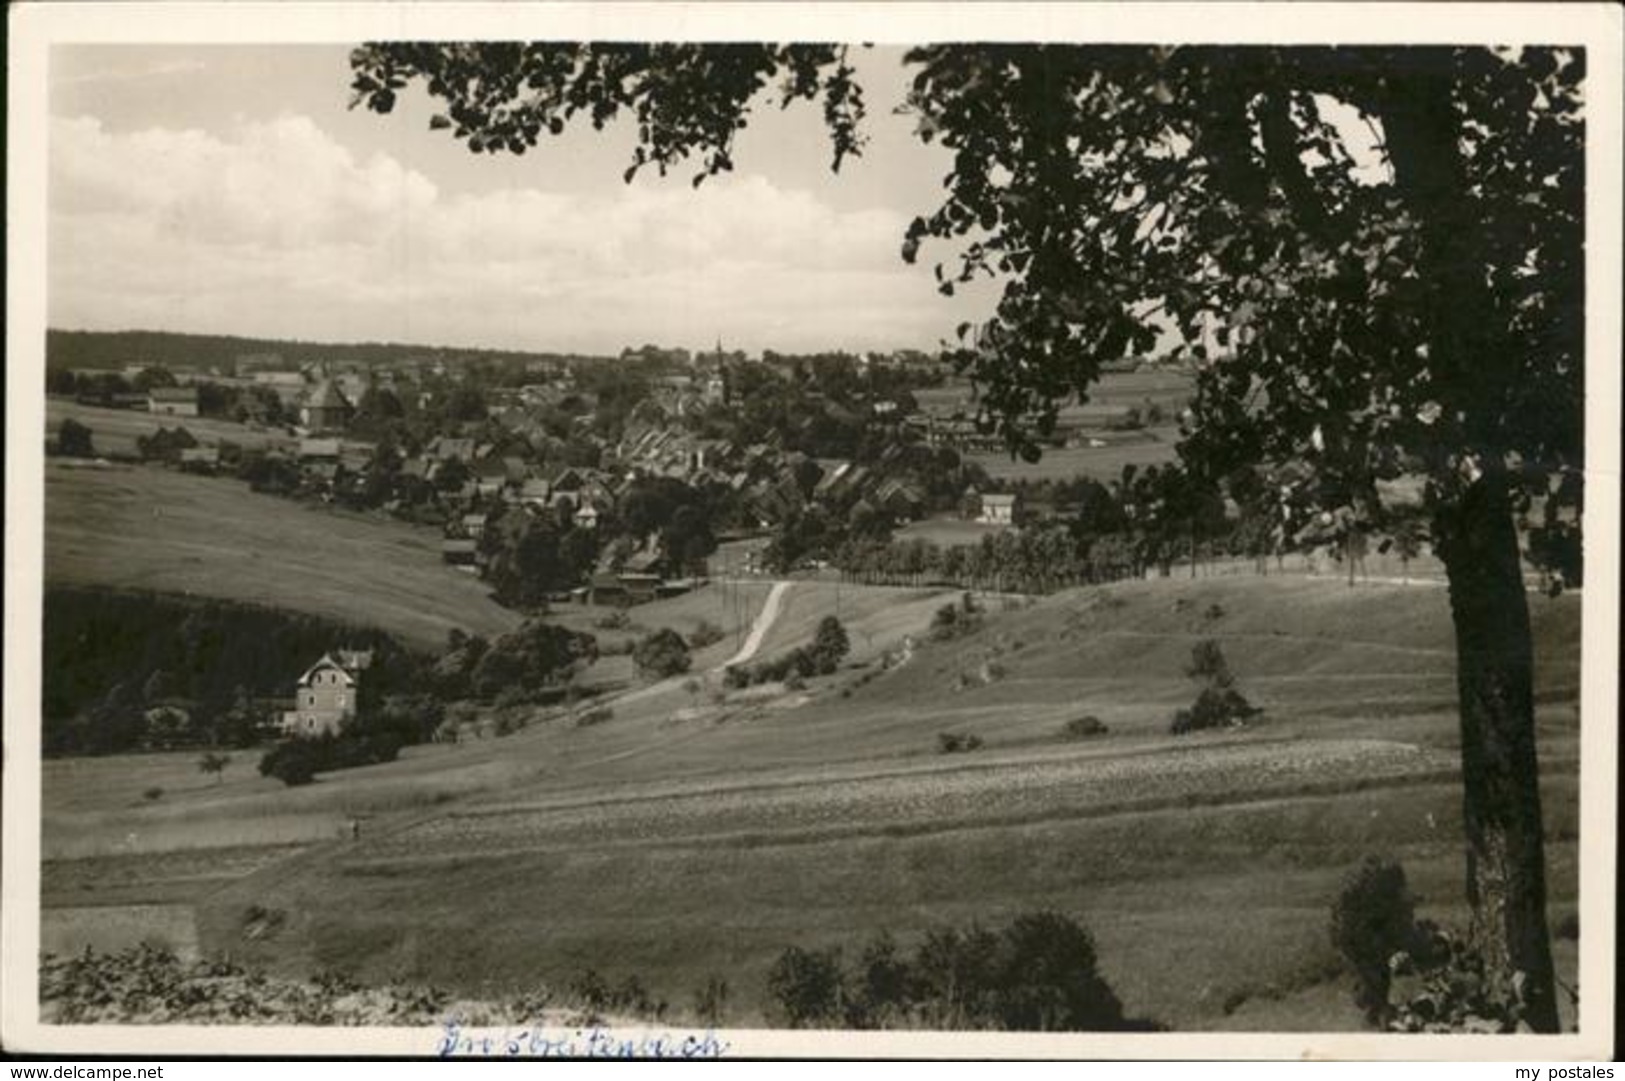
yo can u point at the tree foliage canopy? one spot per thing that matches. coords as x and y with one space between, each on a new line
1353 309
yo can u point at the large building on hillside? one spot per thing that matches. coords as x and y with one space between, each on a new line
325 409
326 694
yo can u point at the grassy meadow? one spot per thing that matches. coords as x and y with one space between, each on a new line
1147 447
156 529
700 832
114 431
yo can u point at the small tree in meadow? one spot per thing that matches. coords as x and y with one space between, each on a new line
74 440
663 653
1219 704
214 763
830 644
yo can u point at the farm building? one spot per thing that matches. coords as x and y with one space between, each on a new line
172 401
327 693
998 509
460 551
288 386
325 409
200 459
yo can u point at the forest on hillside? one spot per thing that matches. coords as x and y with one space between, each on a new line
112 654
77 349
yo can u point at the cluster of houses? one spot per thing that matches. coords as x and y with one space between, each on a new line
462 479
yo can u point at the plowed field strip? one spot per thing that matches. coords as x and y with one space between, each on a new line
564 845
1016 792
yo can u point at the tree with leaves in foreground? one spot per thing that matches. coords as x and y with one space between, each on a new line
1403 302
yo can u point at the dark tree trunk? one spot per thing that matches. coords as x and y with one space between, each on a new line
1475 536
1506 866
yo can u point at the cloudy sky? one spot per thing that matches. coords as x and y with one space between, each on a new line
229 189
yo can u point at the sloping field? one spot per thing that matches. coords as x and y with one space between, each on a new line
114 431
142 528
688 838
1152 446
729 606
876 617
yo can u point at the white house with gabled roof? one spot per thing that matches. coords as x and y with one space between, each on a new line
326 694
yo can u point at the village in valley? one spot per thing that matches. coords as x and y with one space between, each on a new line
628 549
726 641
602 453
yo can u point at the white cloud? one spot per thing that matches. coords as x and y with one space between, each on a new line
276 228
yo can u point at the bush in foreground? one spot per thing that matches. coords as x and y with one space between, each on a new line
1411 975
150 985
1039 973
1373 918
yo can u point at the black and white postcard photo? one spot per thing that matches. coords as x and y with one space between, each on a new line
694 531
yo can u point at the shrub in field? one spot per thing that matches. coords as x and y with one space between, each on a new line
214 763
705 634
808 987
292 763
800 664
297 761
1083 727
795 682
735 678
1373 919
534 657
953 743
153 794
1218 704
74 440
830 645
661 654
955 620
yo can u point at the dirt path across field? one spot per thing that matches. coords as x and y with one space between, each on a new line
758 630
